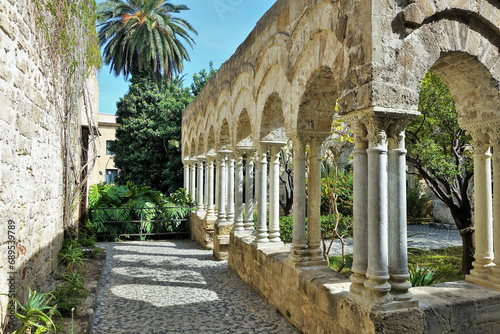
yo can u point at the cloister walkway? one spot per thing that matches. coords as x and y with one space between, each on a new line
177 287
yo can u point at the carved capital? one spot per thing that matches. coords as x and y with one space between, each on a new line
480 141
376 127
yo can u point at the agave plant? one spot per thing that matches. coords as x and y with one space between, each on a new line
36 315
422 276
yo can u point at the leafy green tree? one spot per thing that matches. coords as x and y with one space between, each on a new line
440 152
200 79
147 147
143 36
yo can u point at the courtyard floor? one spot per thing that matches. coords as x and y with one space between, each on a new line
177 287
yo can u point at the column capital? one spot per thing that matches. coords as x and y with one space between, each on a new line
201 158
481 141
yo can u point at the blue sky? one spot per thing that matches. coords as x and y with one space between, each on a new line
222 26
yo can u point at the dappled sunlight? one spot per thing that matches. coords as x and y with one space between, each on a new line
161 275
164 296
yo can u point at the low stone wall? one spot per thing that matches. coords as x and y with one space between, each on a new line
315 299
202 230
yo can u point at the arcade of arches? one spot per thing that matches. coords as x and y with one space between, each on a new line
369 57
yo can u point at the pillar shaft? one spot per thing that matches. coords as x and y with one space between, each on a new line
230 188
211 190
192 183
186 177
262 235
299 200
495 270
377 272
200 191
483 221
205 195
249 224
256 183
239 226
221 212
398 256
314 200
274 194
360 215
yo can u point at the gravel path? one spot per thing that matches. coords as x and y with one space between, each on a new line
177 287
419 236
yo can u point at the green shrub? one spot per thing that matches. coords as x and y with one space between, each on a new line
417 206
343 190
69 295
286 229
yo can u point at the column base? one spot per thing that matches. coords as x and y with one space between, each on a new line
300 261
483 282
267 244
378 301
201 213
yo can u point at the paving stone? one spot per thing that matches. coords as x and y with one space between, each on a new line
177 287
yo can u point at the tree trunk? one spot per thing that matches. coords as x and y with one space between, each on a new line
467 250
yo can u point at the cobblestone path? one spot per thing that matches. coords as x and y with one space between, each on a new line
177 287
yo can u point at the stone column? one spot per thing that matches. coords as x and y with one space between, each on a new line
205 195
360 211
261 187
274 194
398 246
314 201
249 191
230 188
495 270
187 165
221 212
211 190
192 183
299 244
483 211
256 183
377 272
200 192
239 226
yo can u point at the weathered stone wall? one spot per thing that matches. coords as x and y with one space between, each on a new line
31 163
202 230
315 299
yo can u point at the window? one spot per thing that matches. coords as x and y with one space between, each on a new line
108 144
111 175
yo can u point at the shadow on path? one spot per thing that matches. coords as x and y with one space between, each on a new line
177 287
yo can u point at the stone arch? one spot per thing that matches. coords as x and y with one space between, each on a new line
313 76
211 141
243 137
244 111
317 103
422 11
272 121
224 139
274 82
275 51
447 47
316 18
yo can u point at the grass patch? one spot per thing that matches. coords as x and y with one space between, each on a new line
447 261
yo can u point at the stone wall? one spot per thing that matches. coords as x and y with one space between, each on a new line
315 299
31 163
202 230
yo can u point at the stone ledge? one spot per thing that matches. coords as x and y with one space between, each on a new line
315 299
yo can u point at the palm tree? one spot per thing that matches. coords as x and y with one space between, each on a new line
143 36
